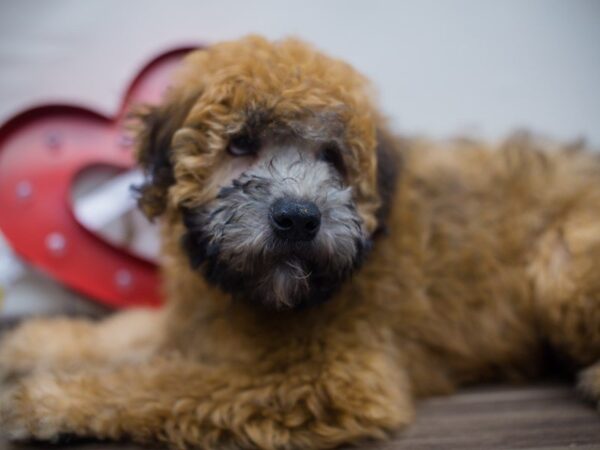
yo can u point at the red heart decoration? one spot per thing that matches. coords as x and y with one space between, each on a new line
42 151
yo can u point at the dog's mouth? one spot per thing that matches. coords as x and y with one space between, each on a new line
283 275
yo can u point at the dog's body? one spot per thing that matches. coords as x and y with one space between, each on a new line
480 259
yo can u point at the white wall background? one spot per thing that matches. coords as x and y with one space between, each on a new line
441 66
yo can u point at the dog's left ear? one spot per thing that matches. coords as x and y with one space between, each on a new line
158 124
389 164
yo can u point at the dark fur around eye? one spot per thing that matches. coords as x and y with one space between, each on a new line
243 145
331 154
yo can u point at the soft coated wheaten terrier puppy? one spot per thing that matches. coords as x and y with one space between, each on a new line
320 275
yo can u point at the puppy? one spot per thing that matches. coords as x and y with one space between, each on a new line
320 274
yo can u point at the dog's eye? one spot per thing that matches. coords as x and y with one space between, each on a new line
243 145
331 154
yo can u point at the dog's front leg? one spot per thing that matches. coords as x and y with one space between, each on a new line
72 343
189 405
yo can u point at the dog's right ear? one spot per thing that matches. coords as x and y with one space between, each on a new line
157 125
389 167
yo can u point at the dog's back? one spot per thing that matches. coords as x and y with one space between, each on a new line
491 247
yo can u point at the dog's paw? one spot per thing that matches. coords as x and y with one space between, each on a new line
16 354
588 383
32 410
37 345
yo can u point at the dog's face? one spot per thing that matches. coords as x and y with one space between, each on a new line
267 154
283 229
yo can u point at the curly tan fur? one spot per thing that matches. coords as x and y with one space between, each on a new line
482 258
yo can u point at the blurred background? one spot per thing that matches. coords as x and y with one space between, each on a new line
441 68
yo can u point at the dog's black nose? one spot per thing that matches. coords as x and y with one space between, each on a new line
295 220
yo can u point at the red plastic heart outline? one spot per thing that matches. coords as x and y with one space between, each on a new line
42 152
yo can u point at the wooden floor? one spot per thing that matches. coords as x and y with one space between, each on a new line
543 416
533 417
